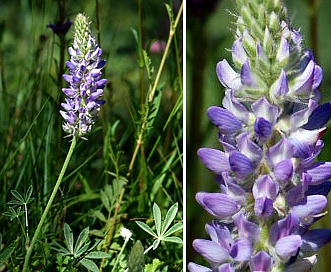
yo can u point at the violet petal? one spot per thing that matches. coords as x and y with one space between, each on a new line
211 251
193 267
214 160
240 164
320 172
283 171
288 246
241 250
311 206
217 204
227 76
261 262
225 120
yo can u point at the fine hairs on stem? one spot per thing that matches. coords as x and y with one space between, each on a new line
49 204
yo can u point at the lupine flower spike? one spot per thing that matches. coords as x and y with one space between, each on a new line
82 105
270 125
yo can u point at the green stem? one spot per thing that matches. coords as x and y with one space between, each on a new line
148 249
166 51
49 204
119 255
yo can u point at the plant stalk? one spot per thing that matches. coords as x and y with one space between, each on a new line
49 204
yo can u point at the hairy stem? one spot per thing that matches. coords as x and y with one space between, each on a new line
49 204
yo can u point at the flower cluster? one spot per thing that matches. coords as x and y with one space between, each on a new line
270 128
82 105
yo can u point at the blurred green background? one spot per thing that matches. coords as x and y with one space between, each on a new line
209 40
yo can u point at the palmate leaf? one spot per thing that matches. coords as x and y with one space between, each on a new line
170 216
14 202
146 228
82 250
18 196
90 265
28 194
178 226
98 255
157 218
156 243
172 239
13 214
69 237
62 250
83 236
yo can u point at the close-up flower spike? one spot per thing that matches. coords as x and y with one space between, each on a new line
270 128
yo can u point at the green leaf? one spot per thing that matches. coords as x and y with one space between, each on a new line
173 239
157 218
154 109
30 200
90 265
62 250
100 216
170 216
68 235
28 194
104 199
153 266
18 196
81 239
138 47
171 15
146 228
13 214
178 226
5 254
156 243
98 255
82 250
14 202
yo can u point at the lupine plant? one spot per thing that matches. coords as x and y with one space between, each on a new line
270 127
82 103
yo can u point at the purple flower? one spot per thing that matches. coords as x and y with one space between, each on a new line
60 28
270 127
222 250
82 105
261 261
